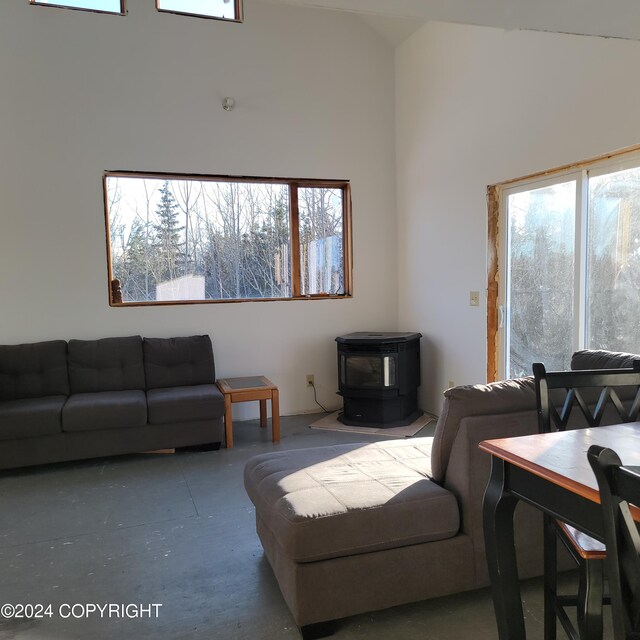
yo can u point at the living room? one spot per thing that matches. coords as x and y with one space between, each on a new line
419 129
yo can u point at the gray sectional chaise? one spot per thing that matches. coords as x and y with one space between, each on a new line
360 527
91 398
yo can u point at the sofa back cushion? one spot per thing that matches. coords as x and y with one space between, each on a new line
109 364
600 359
507 396
33 370
178 362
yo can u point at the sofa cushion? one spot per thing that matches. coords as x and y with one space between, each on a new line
600 359
184 404
335 501
104 410
507 396
33 370
31 417
177 362
109 364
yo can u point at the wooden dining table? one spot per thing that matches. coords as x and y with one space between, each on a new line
551 472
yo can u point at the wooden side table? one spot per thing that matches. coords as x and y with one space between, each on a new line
245 390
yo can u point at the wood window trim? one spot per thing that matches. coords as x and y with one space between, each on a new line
347 244
238 12
493 209
122 12
494 198
294 226
294 185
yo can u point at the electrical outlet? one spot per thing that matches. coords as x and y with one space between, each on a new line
451 384
310 380
474 298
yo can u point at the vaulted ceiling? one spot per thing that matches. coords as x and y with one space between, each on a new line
396 19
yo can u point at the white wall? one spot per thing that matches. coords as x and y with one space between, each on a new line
81 93
476 106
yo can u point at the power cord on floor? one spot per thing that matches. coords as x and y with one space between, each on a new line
315 397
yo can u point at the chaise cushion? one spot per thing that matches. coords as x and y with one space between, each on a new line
178 362
31 417
33 370
108 364
336 501
104 410
496 398
184 404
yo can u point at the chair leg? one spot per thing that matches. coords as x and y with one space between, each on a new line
590 594
550 578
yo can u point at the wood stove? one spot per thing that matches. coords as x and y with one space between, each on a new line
379 376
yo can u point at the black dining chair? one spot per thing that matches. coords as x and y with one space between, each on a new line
566 400
619 488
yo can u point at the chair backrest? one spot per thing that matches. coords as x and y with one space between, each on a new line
619 487
592 392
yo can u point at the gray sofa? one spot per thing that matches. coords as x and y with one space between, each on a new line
360 527
92 398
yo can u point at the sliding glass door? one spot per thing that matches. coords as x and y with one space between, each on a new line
613 261
569 266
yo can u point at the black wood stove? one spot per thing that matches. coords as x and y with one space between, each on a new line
379 376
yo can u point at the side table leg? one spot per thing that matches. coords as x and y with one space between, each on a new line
228 422
263 413
498 509
275 415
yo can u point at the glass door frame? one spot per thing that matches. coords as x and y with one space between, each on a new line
498 237
504 310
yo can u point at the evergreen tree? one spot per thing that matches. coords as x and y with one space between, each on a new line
167 232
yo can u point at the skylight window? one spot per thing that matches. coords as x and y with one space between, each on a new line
218 9
100 6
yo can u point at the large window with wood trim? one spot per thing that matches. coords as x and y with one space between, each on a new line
180 238
567 244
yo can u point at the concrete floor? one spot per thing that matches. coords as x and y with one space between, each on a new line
178 531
